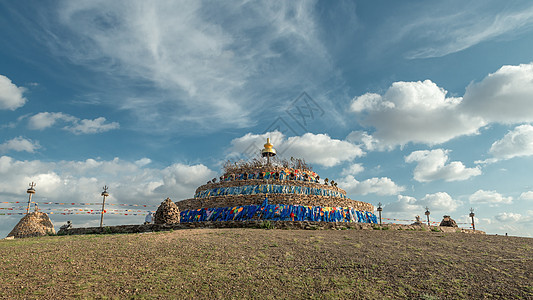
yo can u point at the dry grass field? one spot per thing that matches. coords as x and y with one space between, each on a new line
263 264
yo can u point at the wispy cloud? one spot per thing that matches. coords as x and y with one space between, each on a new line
203 64
439 29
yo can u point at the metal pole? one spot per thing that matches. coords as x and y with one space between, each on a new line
472 216
104 194
30 192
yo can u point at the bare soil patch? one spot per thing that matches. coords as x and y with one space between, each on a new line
257 263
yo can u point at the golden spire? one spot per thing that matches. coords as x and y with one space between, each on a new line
268 151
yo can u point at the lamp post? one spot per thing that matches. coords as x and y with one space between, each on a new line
30 192
380 209
472 216
104 194
427 214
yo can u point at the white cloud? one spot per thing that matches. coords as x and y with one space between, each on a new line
516 143
433 165
379 186
503 96
353 169
82 180
314 148
416 112
10 95
92 126
526 195
405 204
508 217
489 197
19 144
45 120
420 112
440 201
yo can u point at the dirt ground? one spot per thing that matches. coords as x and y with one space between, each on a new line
258 263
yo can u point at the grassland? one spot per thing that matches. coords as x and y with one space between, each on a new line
263 264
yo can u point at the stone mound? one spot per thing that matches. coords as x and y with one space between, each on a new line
448 222
33 224
167 213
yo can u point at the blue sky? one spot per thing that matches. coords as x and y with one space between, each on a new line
407 103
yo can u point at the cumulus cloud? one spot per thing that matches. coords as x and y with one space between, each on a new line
82 180
421 112
10 95
379 186
433 165
516 143
20 144
318 149
92 126
75 125
503 96
489 197
353 169
526 195
408 206
416 112
508 217
404 204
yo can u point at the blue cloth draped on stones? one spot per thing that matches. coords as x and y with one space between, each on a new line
278 212
268 189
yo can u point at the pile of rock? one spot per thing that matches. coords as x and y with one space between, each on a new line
33 224
448 222
167 213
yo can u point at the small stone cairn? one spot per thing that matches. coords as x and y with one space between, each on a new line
167 213
448 222
33 224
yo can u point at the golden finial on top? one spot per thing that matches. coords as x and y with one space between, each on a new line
268 151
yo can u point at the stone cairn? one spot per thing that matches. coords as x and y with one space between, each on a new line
448 222
33 224
167 213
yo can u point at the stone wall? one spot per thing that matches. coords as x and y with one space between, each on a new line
268 181
290 199
260 224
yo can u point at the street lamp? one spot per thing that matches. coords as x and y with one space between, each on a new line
30 192
427 214
472 216
104 194
380 209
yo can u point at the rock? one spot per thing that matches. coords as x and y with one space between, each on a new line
33 224
167 213
448 222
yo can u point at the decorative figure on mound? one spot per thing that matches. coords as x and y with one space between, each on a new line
245 176
326 181
232 177
417 222
448 222
276 175
221 178
317 179
66 226
332 183
306 177
292 176
213 180
335 184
